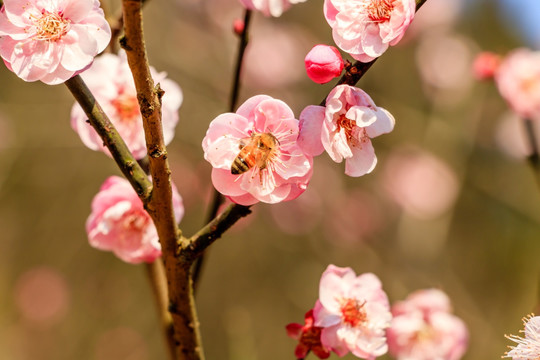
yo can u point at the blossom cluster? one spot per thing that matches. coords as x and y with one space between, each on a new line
262 153
353 315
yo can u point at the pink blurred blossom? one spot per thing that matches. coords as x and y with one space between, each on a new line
119 223
444 61
300 216
344 128
485 65
353 217
51 40
365 28
270 7
353 312
423 328
273 55
121 343
528 347
309 338
422 184
435 14
518 81
111 82
280 172
323 63
42 296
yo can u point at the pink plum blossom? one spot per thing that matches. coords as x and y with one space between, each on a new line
119 223
424 185
344 128
423 328
111 82
270 7
309 338
323 63
51 40
353 312
274 170
365 28
528 347
518 81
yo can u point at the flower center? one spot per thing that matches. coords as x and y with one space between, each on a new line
50 26
353 312
126 106
312 337
135 222
347 125
380 10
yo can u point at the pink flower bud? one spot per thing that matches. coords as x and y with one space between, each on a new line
238 26
323 63
485 65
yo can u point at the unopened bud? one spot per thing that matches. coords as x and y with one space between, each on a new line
485 65
323 63
238 26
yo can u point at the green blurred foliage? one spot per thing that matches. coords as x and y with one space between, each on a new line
263 274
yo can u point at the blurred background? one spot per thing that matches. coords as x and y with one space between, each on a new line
452 203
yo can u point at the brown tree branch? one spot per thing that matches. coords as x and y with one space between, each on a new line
114 142
213 230
117 25
181 303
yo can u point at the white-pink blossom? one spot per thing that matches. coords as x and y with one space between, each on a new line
323 63
365 28
270 7
51 40
111 82
518 81
255 154
344 128
423 328
119 223
528 347
353 312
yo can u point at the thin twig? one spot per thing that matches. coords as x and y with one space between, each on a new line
244 39
213 230
217 198
158 281
111 139
181 302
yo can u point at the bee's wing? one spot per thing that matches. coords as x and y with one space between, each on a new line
243 142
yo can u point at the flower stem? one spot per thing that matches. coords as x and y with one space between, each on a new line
218 199
114 142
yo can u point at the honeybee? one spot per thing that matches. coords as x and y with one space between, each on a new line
254 151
